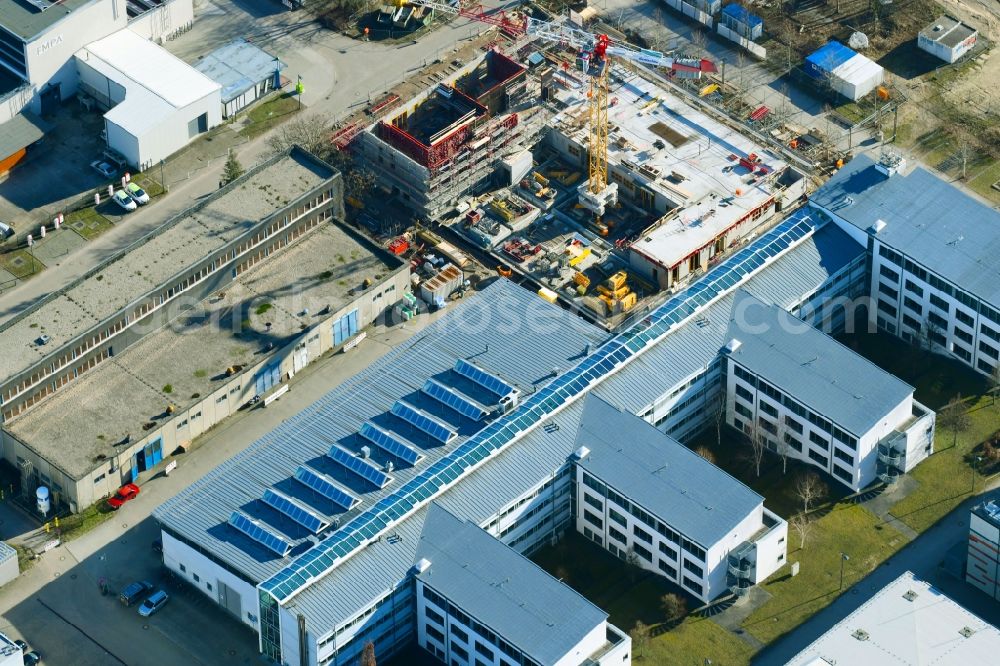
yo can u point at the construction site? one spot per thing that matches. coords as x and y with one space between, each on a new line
588 174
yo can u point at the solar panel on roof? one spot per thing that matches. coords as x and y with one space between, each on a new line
325 486
391 443
489 382
358 465
454 400
419 419
259 533
295 511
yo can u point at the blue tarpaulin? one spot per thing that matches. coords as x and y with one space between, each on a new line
741 14
827 58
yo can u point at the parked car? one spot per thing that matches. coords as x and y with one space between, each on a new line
155 602
115 158
21 644
124 200
32 658
124 494
137 194
103 168
134 592
6 231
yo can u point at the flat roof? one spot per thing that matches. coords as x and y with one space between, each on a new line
25 20
812 367
20 132
502 589
927 219
662 475
948 31
238 66
151 261
492 329
988 511
156 82
338 591
6 551
908 621
694 170
88 417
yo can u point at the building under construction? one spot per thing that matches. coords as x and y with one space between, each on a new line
446 142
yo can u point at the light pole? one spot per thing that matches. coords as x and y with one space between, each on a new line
843 558
975 461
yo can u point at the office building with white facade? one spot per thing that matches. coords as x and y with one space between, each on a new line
933 276
812 399
650 500
310 535
982 569
480 602
38 39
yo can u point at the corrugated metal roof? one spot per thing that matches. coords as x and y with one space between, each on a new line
6 552
812 367
502 589
497 330
927 219
690 349
238 66
662 475
20 132
827 58
357 580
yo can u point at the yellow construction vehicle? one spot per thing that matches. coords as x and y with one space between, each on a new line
616 294
617 281
581 279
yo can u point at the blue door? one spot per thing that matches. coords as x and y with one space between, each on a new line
345 327
154 452
267 377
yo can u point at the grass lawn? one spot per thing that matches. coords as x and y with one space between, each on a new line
152 186
630 595
982 182
20 263
269 114
87 222
848 527
945 478
76 524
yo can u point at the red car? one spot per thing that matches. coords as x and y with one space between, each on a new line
124 494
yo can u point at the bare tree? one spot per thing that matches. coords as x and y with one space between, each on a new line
720 419
640 637
674 606
368 656
706 453
803 528
311 133
955 418
965 151
698 41
809 488
930 333
784 449
757 438
634 564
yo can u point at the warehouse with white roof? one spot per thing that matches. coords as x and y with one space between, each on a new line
156 102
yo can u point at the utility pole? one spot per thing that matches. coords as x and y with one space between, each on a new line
843 558
975 461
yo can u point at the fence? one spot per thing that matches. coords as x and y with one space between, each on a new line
756 50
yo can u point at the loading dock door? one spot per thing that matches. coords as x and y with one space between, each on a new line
266 378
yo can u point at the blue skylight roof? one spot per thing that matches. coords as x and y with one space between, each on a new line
359 466
454 400
265 537
294 510
390 442
423 421
491 383
325 486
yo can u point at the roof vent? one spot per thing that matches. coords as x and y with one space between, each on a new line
860 634
582 453
878 226
966 631
910 595
890 162
388 466
422 565
733 345
366 452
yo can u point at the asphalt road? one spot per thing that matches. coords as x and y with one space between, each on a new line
922 556
57 607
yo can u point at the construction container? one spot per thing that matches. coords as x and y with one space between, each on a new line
847 72
515 167
578 254
548 294
456 256
440 286
617 281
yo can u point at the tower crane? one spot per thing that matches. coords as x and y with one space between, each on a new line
593 59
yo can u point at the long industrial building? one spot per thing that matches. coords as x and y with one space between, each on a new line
221 304
933 278
309 535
